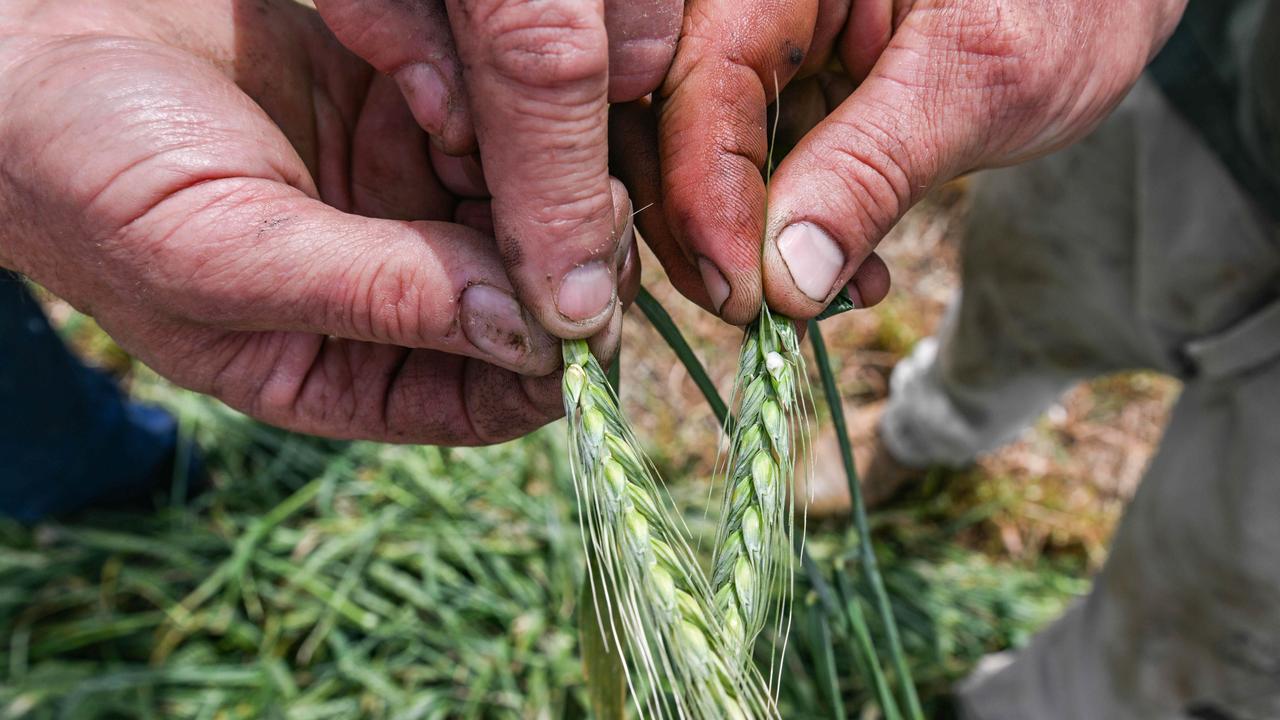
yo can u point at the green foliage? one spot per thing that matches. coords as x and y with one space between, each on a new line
869 566
319 580
952 606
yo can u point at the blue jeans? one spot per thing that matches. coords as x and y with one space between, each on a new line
69 440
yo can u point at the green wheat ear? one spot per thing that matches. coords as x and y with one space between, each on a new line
650 598
752 577
752 569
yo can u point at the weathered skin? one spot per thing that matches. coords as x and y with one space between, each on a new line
946 86
228 191
538 78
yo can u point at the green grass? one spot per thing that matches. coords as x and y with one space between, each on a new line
322 579
318 580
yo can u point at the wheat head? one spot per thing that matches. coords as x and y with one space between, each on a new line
678 655
752 569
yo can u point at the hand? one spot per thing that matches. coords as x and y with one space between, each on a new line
943 87
533 79
203 179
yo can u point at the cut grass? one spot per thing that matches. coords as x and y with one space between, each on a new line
431 583
352 580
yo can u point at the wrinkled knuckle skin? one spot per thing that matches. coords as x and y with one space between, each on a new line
547 44
874 185
994 48
392 304
500 406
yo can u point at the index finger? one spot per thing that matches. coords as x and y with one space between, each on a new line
538 79
732 58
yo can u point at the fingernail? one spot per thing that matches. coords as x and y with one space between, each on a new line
424 89
717 286
585 292
493 322
855 297
624 246
628 262
812 257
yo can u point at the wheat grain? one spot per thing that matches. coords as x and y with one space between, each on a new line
647 585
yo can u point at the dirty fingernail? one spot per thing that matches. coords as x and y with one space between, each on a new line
425 91
717 286
812 257
493 322
585 292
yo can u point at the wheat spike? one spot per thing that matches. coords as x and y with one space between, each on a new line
651 591
752 571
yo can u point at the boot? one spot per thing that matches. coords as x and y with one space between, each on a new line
826 485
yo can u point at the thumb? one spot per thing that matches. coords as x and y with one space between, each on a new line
254 255
918 120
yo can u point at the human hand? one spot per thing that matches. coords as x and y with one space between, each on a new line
943 87
532 82
204 180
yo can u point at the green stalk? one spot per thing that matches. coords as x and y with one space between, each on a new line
661 322
666 327
870 660
866 553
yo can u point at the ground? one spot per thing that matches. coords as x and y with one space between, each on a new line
321 579
1059 488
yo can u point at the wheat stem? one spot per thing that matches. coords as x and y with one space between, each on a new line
866 553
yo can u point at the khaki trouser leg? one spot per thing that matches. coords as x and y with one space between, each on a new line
1184 621
1047 264
1124 252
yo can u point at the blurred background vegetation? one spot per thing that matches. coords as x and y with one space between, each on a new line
324 579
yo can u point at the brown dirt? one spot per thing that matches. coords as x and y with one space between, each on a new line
1059 488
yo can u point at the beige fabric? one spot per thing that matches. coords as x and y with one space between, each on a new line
1132 249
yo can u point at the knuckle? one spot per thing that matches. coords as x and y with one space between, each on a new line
992 48
547 44
578 216
873 178
246 371
572 212
332 401
392 302
500 405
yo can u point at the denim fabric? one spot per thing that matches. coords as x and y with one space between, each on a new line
68 438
